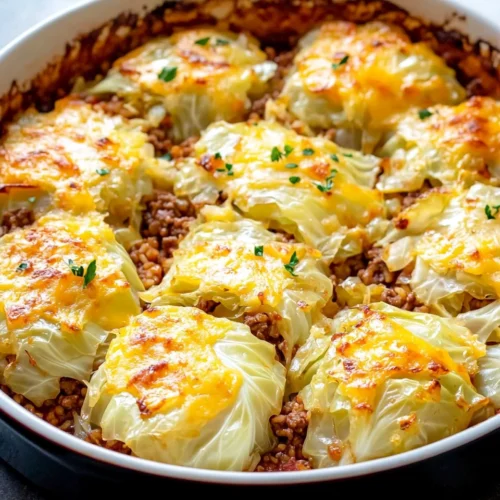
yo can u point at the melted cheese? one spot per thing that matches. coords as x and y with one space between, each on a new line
83 159
36 281
212 75
371 348
460 143
166 359
365 76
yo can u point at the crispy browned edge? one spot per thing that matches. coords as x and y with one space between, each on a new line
272 21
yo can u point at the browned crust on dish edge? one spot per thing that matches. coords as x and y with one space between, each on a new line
272 21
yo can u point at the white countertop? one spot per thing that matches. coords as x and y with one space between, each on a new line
19 15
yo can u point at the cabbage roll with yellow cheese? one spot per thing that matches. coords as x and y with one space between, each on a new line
308 187
182 387
65 284
244 272
358 79
191 79
381 381
78 159
444 146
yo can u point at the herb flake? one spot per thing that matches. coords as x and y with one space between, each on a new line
327 186
489 213
221 41
291 165
90 274
167 156
308 152
288 149
292 264
424 113
32 199
202 41
276 154
341 62
294 179
22 267
102 171
334 157
258 251
168 74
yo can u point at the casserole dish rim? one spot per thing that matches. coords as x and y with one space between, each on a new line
13 410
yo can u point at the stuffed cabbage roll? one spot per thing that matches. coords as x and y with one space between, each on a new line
234 267
358 79
191 79
386 382
77 159
444 146
182 387
65 283
308 187
452 238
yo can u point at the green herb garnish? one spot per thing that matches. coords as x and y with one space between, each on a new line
21 267
217 156
258 251
294 179
291 165
288 149
228 168
334 157
102 171
167 156
79 271
276 154
348 155
489 213
202 41
308 152
168 74
221 41
290 267
32 199
424 113
327 186
340 63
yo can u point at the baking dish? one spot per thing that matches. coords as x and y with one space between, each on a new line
24 58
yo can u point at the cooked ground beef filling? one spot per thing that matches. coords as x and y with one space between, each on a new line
15 219
263 326
165 222
371 269
290 429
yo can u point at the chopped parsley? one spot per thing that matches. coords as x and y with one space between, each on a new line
90 274
294 179
22 267
32 199
489 213
334 157
424 113
102 171
290 267
341 62
168 74
288 149
202 41
276 154
291 165
308 152
167 156
348 155
227 168
79 271
258 251
221 41
327 186
217 156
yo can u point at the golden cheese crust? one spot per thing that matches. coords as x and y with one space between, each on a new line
83 159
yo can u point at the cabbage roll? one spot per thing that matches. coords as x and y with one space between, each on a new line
308 187
387 381
65 284
182 387
445 146
191 79
358 79
242 271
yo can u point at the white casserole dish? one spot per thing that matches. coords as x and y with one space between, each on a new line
22 59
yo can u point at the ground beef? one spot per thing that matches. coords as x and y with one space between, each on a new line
58 411
290 428
165 222
264 326
284 59
95 437
113 106
207 306
371 269
15 219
